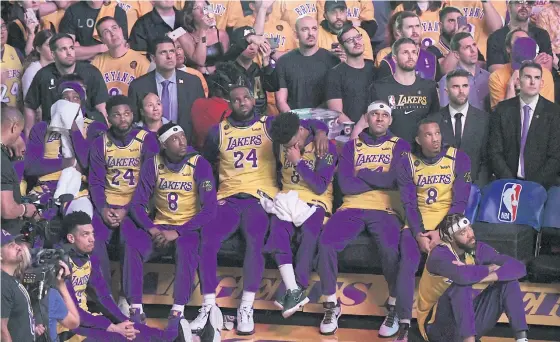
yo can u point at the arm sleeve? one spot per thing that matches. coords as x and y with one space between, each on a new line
544 43
334 86
281 74
57 308
551 168
270 83
349 184
409 197
434 107
207 197
211 146
511 268
87 319
497 89
138 38
320 178
121 19
440 262
99 285
81 144
141 199
462 183
96 88
33 98
67 23
495 51
35 163
385 180
496 147
384 70
313 125
150 147
97 175
7 300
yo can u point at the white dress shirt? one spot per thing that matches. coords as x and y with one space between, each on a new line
463 110
533 104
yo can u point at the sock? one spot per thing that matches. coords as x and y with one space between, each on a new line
247 299
209 299
288 276
404 321
177 307
392 301
524 339
138 306
332 298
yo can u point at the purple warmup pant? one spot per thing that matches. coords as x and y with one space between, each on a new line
147 334
409 260
139 248
281 234
459 316
103 236
249 217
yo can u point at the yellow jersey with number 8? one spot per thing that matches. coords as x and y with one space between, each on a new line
11 69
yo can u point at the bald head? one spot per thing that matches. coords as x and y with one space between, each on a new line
305 20
306 32
12 123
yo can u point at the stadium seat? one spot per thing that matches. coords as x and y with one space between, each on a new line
510 212
472 205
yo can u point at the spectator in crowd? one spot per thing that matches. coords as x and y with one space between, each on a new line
408 25
80 21
520 12
43 93
335 19
204 44
11 71
523 141
382 11
466 53
360 13
134 10
290 11
302 72
504 82
430 17
163 19
23 28
176 89
464 126
348 83
151 114
120 65
547 19
40 57
392 35
227 13
411 98
12 209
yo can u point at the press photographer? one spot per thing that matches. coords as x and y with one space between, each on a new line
12 209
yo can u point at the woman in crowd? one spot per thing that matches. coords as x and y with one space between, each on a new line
392 37
39 57
23 28
151 114
204 44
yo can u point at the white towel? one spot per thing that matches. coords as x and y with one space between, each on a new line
288 207
63 114
69 182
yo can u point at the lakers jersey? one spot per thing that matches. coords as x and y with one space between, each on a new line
290 11
430 26
377 158
227 13
355 9
134 10
431 288
434 186
292 180
11 69
119 72
123 168
175 195
246 161
52 20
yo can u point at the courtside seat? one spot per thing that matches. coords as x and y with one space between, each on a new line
510 214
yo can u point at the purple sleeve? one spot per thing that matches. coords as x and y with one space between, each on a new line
35 163
511 268
320 178
150 147
462 183
97 173
204 180
87 319
141 199
81 144
440 262
211 146
104 298
314 125
349 183
409 197
385 180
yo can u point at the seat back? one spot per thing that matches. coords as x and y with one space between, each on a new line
512 201
472 205
551 217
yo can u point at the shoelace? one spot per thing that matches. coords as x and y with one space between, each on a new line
245 313
390 320
328 316
204 310
402 334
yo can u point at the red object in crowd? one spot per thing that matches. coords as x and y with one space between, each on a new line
206 113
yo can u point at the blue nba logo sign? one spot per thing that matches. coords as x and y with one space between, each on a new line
509 202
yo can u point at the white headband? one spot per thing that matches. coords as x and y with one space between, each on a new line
379 106
462 224
169 133
67 89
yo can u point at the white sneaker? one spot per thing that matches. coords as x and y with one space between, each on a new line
390 325
213 328
329 324
124 306
185 334
200 321
245 322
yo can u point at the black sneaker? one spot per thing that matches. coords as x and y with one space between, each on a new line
293 301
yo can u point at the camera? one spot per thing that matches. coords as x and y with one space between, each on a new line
48 230
44 270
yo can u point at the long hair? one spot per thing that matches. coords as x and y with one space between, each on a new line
25 262
188 18
40 38
413 6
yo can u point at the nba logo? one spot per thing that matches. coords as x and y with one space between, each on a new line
392 102
509 202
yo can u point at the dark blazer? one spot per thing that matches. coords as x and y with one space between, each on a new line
189 88
474 141
542 149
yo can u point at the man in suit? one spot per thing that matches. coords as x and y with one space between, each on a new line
523 141
463 125
176 89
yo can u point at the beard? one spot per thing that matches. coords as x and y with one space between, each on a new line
447 36
406 67
354 55
467 247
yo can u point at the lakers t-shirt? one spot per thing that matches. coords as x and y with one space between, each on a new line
12 70
119 72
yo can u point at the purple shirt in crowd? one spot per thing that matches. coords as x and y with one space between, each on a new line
478 93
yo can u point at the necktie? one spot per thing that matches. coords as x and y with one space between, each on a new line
165 101
458 129
524 132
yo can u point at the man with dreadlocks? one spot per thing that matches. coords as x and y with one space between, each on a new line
240 149
452 268
299 169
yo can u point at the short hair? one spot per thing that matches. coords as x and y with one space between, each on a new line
457 73
397 45
509 36
71 221
448 222
402 16
529 64
102 20
284 127
152 48
448 10
455 43
346 28
425 121
117 100
10 115
56 38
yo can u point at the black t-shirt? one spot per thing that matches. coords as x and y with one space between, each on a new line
305 77
10 182
79 20
409 104
16 307
42 91
351 85
496 44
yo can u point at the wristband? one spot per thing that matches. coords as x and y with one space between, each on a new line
24 211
